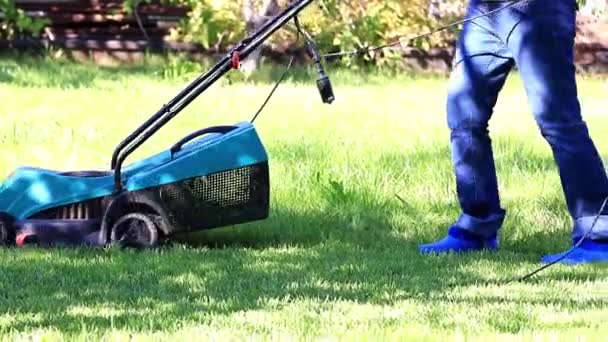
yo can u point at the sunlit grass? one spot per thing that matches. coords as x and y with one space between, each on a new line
337 258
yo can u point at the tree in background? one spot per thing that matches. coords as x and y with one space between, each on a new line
438 9
14 23
254 19
594 7
441 9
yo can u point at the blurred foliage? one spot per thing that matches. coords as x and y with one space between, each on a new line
337 25
14 22
349 25
211 23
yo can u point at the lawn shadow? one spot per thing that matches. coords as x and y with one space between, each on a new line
347 249
142 291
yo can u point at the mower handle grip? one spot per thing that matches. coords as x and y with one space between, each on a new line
213 129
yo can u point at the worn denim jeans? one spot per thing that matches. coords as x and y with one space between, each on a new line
537 37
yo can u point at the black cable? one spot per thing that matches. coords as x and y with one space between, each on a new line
542 268
441 28
298 33
445 27
139 22
589 230
527 276
297 22
298 28
273 90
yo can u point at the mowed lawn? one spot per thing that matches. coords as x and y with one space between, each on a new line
355 187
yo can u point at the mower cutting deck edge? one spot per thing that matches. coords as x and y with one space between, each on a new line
214 177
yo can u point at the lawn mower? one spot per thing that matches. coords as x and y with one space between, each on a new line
214 177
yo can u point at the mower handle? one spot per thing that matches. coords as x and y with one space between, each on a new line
171 109
214 129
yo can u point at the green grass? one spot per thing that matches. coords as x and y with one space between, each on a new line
337 258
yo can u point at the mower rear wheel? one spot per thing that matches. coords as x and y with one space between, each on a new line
7 233
3 235
136 230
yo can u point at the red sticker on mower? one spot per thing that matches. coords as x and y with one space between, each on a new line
236 60
21 239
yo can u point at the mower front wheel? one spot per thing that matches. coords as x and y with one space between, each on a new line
135 230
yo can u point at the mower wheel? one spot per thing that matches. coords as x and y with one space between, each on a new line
7 235
136 230
3 235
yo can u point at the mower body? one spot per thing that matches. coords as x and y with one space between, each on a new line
212 178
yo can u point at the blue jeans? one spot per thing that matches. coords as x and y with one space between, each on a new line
538 38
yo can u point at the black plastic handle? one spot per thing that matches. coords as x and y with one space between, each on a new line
325 89
214 129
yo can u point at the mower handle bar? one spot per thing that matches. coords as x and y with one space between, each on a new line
195 88
214 129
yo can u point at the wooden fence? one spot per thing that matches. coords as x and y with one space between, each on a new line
100 29
92 26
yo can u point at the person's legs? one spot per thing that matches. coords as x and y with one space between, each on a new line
542 45
480 69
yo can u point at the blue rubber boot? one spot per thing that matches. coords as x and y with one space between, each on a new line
587 252
459 241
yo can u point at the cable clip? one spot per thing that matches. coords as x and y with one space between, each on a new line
236 59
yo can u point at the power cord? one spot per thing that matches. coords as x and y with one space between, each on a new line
544 267
399 42
139 22
580 241
273 90
441 28
323 83
280 79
